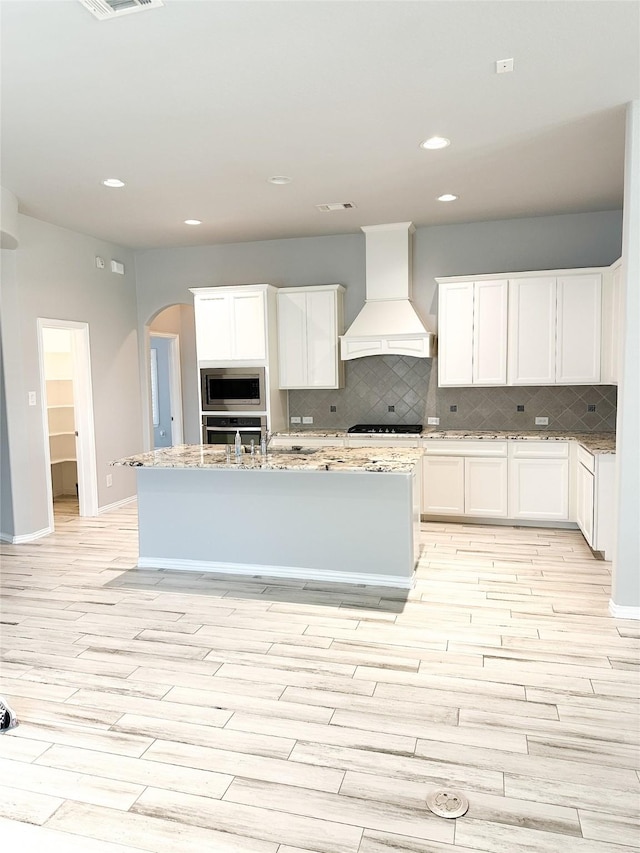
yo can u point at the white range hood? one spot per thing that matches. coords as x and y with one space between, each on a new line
388 323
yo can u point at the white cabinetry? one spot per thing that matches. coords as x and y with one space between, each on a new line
521 329
555 330
612 324
539 480
595 482
578 329
465 478
230 323
472 328
532 331
309 323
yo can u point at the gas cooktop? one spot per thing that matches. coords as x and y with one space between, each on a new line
399 429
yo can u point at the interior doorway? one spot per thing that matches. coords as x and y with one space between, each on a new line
67 414
166 389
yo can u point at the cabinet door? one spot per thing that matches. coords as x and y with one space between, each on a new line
322 339
247 326
455 333
579 299
539 489
213 327
485 487
585 502
443 485
490 333
532 331
292 339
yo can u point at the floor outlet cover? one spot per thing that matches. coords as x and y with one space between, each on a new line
445 803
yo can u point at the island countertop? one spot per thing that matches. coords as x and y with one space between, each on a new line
400 460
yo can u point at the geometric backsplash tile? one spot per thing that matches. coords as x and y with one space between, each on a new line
409 386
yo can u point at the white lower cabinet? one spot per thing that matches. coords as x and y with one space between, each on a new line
465 478
595 500
584 502
485 487
443 485
539 480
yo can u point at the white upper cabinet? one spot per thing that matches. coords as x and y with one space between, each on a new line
309 323
455 333
527 329
578 329
230 323
532 331
472 329
490 332
612 325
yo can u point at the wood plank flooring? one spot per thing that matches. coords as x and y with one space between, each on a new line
170 711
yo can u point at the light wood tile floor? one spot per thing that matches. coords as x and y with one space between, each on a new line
168 711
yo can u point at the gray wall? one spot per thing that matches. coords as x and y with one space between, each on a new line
164 276
55 277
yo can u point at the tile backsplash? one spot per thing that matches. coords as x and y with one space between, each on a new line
397 389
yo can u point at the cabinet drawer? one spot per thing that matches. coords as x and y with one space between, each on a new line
456 447
587 459
549 449
306 441
383 441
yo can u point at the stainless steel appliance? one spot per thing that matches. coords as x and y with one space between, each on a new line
397 429
233 389
221 429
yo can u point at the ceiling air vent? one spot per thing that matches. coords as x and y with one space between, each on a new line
106 9
338 205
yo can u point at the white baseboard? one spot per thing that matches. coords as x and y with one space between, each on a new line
292 572
116 505
622 612
25 537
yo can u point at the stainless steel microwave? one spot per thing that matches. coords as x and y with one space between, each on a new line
233 389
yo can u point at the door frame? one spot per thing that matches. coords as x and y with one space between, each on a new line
83 414
175 384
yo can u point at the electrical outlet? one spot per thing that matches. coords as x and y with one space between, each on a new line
391 408
504 66
307 420
520 408
32 398
591 407
542 421
433 421
453 408
295 419
109 480
333 408
99 263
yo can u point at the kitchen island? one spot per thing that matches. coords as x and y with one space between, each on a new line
348 515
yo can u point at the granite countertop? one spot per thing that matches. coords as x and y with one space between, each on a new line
349 459
594 442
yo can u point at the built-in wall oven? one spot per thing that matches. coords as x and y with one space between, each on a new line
233 389
221 429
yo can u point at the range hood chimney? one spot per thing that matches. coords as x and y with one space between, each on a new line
388 323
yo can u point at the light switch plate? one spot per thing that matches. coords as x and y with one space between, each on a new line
542 421
32 398
117 267
295 419
307 420
433 421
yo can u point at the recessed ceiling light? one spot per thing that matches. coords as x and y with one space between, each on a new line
279 179
447 197
113 182
193 222
434 142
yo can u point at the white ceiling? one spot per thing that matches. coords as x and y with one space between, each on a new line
196 104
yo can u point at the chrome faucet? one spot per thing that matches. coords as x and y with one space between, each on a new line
264 442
